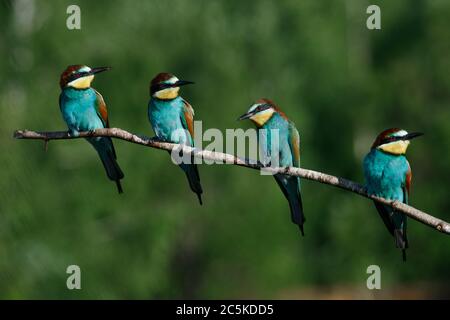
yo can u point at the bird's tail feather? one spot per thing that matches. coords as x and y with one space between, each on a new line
296 206
401 241
193 177
396 224
291 191
106 152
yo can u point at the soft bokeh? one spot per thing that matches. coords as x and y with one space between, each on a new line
338 81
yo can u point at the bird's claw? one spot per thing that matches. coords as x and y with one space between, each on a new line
73 133
157 139
266 164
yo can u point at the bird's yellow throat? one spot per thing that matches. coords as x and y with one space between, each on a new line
82 83
397 147
167 94
262 117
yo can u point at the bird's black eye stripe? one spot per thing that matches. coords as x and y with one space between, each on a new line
160 86
167 85
77 76
390 139
262 107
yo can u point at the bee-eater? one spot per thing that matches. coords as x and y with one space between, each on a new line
266 115
388 175
84 109
170 115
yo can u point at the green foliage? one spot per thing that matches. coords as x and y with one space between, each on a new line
338 81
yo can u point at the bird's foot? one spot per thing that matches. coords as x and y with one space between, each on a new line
265 164
73 133
157 139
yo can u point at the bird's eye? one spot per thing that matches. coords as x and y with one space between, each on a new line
388 140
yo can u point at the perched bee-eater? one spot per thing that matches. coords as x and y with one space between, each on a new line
388 175
266 115
84 109
170 115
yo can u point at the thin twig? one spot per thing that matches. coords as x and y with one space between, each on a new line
219 157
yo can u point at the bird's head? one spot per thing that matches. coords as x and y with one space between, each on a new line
394 141
261 111
79 76
165 86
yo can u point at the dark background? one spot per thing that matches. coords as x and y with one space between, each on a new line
338 81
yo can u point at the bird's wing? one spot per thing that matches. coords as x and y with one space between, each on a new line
294 143
102 112
188 118
100 107
406 190
407 186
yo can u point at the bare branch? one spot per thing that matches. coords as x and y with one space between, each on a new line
345 184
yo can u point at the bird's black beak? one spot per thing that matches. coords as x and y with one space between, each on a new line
245 116
412 135
99 69
180 83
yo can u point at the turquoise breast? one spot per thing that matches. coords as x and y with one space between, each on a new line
276 124
78 109
165 118
385 174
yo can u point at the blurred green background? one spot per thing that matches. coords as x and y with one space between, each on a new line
338 81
